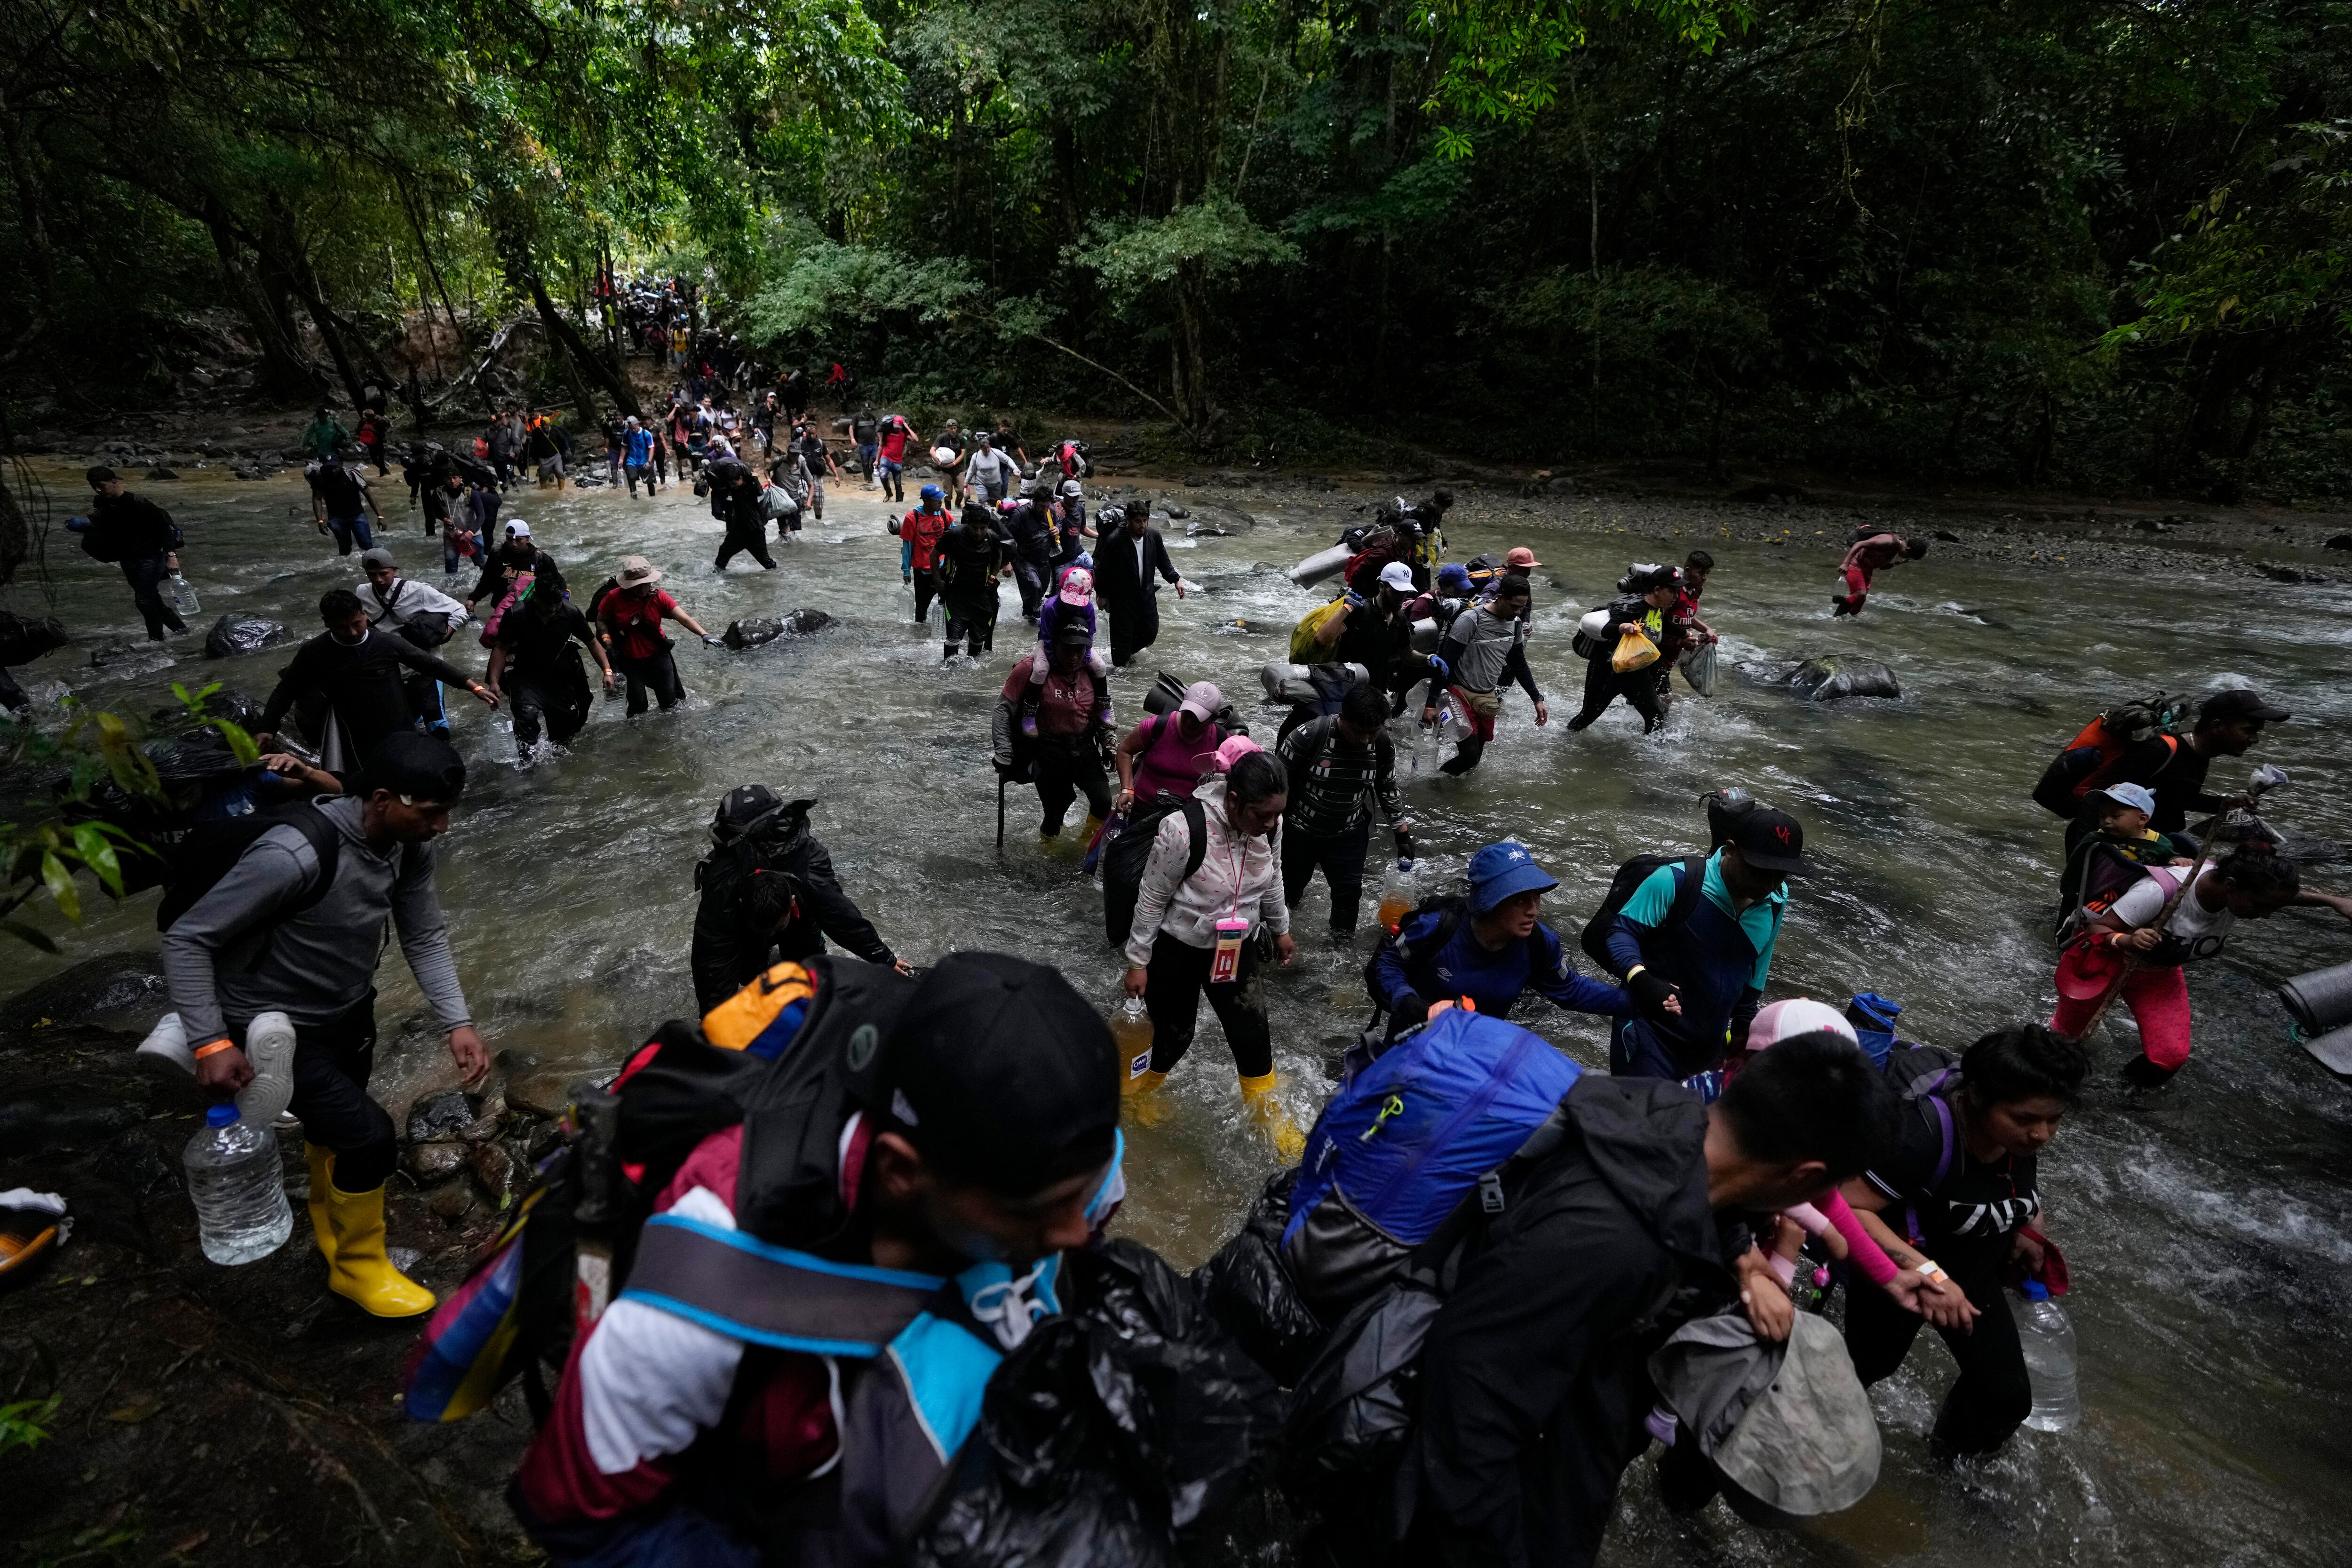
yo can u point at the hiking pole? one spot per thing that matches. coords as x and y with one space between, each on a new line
999 808
2267 778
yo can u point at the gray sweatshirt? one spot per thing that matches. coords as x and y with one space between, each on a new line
318 965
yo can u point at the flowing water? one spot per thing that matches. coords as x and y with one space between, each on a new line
2209 1234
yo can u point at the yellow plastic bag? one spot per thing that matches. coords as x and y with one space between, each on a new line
1634 651
1305 649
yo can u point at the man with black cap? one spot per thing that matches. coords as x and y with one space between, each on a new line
358 671
1710 948
768 892
2173 767
786 1382
295 927
138 535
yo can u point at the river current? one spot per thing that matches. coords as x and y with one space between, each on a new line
2209 1232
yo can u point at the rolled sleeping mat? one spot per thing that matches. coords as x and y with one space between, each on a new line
1279 675
1321 564
2321 1000
1424 635
1166 693
2333 1051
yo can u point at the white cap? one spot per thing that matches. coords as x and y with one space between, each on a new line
1398 575
1798 1016
518 529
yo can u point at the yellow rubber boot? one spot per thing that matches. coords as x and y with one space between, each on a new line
321 1161
1142 1094
1259 1104
361 1271
1086 833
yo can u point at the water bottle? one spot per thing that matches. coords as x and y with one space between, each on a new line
1396 896
240 1190
1130 1026
184 595
502 740
2049 1342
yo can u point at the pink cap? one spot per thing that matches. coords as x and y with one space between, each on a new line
1520 558
1234 751
1798 1016
1079 586
1201 699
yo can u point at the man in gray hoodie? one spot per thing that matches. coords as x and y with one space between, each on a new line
296 926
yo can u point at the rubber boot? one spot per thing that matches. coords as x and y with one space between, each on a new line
1259 1105
1142 1094
1093 826
360 1272
321 1161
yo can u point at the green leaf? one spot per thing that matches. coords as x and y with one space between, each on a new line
98 856
31 935
60 883
240 744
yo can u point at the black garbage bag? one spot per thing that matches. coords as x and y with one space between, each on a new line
1251 1293
23 640
1120 1432
233 635
757 630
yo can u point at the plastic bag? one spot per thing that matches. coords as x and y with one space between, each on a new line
1698 668
1118 1431
1303 645
234 635
1634 651
1253 1295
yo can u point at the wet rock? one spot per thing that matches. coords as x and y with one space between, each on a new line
217 450
1178 513
431 1163
1561 485
249 471
454 1202
543 1094
234 635
294 454
23 640
438 1116
1945 536
516 1061
481 1130
28 1126
111 982
2341 542
754 632
494 1172
161 472
116 652
1829 679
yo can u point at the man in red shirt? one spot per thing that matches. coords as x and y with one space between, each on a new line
630 618
891 463
1864 562
919 533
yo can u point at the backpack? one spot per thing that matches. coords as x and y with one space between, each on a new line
1486 570
790 1057
1621 887
1402 1143
1304 648
2089 760
514 597
1124 857
596 600
1923 1077
208 851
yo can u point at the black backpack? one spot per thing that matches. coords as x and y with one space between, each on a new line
1621 887
206 853
1123 860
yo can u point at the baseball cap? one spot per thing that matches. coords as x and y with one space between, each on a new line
1772 841
1201 699
1454 578
1077 587
1520 559
372 559
931 493
1072 488
421 767
1503 870
1002 1076
2131 794
2239 703
1798 1016
1398 575
518 529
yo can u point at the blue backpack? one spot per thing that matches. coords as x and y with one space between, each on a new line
1402 1143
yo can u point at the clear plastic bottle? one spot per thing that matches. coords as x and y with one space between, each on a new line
184 597
238 1188
2049 1343
1130 1026
1397 895
502 739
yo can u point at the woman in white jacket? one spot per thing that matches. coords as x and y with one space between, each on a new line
1207 932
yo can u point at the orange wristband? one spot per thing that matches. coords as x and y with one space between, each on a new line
223 1044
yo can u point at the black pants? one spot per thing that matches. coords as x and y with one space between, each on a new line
1466 756
1030 575
1177 976
926 588
1132 631
331 1064
1993 1396
1068 767
972 622
550 695
1340 859
657 674
1603 686
752 540
146 576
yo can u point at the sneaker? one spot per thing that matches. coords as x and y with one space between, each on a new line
165 1048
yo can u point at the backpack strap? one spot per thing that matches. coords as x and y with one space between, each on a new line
1688 888
776 1296
1196 823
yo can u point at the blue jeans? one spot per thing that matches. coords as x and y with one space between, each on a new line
347 528
894 478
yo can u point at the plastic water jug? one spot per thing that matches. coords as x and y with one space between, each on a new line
2049 1342
502 739
184 595
238 1188
1130 1026
1397 895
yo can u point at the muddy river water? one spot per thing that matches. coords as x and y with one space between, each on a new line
2209 1234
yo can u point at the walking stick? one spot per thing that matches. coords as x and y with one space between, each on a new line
2265 778
999 808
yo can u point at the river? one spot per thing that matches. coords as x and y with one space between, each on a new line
2209 1232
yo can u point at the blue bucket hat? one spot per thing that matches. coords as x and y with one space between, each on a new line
1503 870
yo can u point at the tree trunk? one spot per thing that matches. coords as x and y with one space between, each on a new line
285 372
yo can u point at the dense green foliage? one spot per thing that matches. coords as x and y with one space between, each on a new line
2032 240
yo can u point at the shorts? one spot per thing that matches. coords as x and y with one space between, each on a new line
551 468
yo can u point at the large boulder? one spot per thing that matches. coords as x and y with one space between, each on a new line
111 982
1829 679
23 640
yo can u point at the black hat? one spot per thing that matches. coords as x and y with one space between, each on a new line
98 476
747 808
1073 636
421 767
2239 703
1772 840
1005 1077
